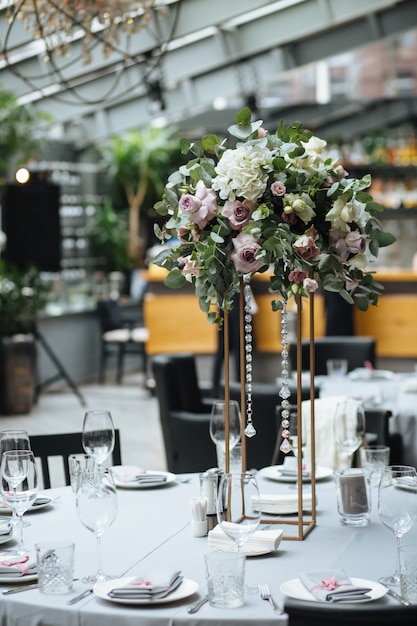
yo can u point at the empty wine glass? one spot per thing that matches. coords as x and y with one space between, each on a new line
397 506
14 440
218 427
96 509
349 427
238 510
19 485
98 435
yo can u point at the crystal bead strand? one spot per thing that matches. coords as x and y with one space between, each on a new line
247 293
284 392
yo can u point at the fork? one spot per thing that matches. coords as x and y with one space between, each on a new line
266 595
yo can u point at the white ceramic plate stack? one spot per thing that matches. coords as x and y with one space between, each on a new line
281 504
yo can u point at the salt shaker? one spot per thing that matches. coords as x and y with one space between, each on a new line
209 485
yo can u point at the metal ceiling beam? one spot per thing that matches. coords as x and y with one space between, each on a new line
240 52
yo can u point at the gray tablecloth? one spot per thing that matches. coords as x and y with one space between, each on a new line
152 528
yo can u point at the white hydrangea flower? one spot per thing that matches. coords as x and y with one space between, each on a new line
243 172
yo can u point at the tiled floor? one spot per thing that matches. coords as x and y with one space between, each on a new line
134 411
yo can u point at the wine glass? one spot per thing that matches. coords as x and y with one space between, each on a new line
349 427
96 509
397 506
19 485
238 510
218 426
98 435
14 440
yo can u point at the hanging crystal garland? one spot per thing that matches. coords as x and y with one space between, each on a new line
247 293
285 392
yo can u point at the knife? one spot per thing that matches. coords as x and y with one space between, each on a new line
197 605
19 589
81 596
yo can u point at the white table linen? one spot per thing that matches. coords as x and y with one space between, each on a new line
152 529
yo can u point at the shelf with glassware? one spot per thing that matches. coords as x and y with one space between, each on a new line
394 187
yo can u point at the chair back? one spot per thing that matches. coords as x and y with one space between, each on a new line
62 445
305 613
185 432
356 350
109 315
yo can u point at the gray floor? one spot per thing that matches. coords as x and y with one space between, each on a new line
134 411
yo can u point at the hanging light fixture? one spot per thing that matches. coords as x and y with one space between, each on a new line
58 23
66 33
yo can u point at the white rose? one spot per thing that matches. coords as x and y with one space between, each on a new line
343 213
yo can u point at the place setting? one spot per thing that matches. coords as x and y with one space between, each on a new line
134 477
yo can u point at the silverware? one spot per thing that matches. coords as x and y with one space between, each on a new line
197 605
19 589
81 596
266 595
397 596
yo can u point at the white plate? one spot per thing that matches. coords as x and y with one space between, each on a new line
295 589
5 510
187 588
18 579
6 538
122 471
272 472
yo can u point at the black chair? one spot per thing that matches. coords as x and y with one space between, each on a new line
62 445
119 337
356 350
184 414
305 613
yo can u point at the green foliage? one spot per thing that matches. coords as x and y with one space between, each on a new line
110 238
23 295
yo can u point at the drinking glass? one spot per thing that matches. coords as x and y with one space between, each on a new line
349 427
14 440
397 506
98 435
19 485
236 514
218 425
96 509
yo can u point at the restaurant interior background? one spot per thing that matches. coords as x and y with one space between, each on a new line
347 70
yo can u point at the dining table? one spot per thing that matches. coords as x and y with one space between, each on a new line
152 529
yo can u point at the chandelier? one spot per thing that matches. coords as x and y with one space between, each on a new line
65 33
57 22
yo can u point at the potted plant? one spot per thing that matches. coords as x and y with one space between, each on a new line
23 294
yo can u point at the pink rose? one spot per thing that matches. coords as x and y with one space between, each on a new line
187 234
238 213
306 247
348 243
278 188
297 276
243 255
289 218
352 284
201 207
310 285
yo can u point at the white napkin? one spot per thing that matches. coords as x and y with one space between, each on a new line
17 566
5 530
260 541
333 585
131 474
290 468
154 584
280 504
147 478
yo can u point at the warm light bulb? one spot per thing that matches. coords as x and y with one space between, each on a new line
22 175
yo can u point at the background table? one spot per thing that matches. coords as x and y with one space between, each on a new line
152 528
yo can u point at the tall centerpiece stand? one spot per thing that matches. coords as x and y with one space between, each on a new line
302 524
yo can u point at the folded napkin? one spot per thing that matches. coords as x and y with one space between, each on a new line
5 530
290 468
17 566
154 585
262 541
281 503
147 478
333 586
40 502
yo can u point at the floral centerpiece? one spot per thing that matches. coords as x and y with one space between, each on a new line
274 201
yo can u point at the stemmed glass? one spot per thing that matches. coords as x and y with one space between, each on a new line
349 427
97 508
238 510
14 440
98 435
397 506
19 485
218 426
